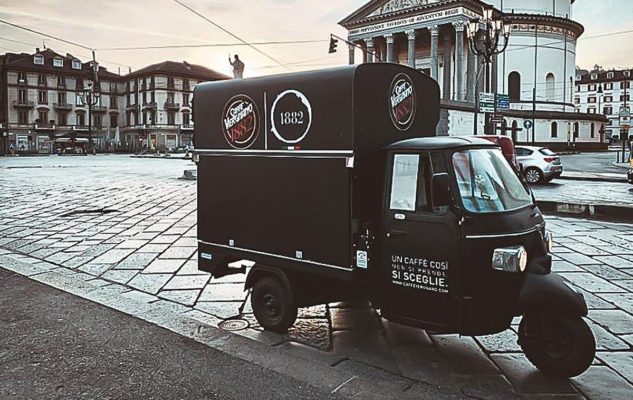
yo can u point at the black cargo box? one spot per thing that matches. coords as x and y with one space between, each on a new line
290 166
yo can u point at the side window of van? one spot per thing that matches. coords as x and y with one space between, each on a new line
438 166
404 182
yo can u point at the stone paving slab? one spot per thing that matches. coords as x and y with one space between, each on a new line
142 258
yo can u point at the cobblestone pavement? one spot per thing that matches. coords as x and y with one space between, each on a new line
128 226
585 192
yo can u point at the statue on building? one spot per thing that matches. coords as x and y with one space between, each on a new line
238 67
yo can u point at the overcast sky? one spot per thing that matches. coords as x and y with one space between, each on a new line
125 23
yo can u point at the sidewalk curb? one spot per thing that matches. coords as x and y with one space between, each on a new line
586 210
179 319
163 157
593 179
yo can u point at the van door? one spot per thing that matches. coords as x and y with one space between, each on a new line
420 253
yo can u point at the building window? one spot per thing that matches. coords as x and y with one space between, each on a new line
592 88
22 96
591 110
81 119
23 117
577 100
61 98
58 62
114 120
607 110
591 100
170 83
185 100
593 130
97 120
185 119
61 81
608 86
594 76
153 95
41 79
170 97
22 78
144 97
39 60
43 117
609 76
185 84
627 73
550 86
578 77
554 130
514 86
76 64
625 97
579 88
62 118
171 118
576 129
113 102
625 85
608 99
42 97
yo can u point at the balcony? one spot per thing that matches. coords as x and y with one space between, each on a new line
187 127
131 107
61 85
99 109
172 106
63 106
23 103
150 105
83 128
39 126
22 82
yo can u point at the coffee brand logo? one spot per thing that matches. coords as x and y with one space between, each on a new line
291 116
240 121
402 102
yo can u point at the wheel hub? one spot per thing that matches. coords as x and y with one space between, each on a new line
271 305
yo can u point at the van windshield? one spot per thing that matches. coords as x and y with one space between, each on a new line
487 183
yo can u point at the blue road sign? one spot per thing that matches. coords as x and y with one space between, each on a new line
527 124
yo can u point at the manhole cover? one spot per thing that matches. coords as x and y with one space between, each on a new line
233 324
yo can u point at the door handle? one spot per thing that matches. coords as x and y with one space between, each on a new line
395 233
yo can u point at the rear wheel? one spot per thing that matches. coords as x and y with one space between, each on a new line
533 175
560 346
272 305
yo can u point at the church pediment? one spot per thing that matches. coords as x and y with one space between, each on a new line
390 6
377 8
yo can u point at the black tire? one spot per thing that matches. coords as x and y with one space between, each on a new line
272 306
571 350
533 175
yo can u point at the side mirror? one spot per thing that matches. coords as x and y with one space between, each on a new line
440 188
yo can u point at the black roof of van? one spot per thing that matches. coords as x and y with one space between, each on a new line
440 142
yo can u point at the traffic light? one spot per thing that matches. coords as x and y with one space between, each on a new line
333 44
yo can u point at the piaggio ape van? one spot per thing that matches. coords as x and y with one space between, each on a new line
334 185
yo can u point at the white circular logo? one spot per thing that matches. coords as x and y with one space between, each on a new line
291 116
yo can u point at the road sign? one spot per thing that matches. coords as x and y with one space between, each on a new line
625 117
503 102
486 97
487 107
527 124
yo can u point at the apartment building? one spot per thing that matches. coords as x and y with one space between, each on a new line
44 103
604 92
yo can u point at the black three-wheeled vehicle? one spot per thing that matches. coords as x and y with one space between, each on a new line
334 184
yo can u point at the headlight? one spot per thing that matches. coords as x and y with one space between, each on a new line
549 240
510 259
195 158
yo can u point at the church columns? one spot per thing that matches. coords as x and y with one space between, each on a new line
370 50
459 60
411 48
435 31
471 76
446 60
389 40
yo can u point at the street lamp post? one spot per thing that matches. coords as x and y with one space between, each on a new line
485 41
90 96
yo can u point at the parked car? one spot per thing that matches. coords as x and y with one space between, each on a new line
507 147
629 175
539 164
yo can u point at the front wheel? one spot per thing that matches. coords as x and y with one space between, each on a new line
533 175
557 345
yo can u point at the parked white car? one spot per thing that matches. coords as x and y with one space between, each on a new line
540 164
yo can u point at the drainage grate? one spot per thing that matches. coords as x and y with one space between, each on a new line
233 324
80 212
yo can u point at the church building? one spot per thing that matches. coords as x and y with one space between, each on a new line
537 70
